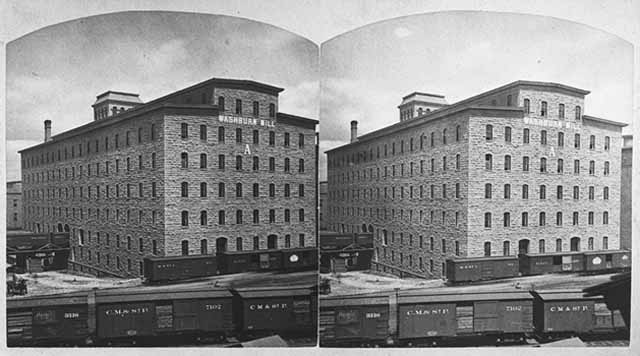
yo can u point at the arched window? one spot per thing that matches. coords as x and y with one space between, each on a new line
488 161
238 135
590 244
286 165
221 103
506 248
238 163
605 218
444 136
272 242
525 136
507 163
185 247
203 247
574 244
203 160
543 108
506 220
578 113
185 218
487 220
203 218
487 191
239 244
238 190
507 134
489 132
256 242
272 110
221 134
541 246
221 217
542 219
238 216
558 245
487 248
203 190
301 215
184 189
184 159
605 243
543 165
457 133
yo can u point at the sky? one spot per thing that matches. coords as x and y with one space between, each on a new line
366 72
55 73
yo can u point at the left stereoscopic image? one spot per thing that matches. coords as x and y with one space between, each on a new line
162 177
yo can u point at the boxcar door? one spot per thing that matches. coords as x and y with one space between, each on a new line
185 314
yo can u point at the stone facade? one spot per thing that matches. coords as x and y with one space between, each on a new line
371 181
14 205
117 184
626 190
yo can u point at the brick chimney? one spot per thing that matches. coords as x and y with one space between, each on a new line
354 130
47 130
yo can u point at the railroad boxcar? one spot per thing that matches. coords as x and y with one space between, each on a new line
364 240
61 319
355 320
606 260
432 317
481 268
145 314
553 262
171 268
277 310
249 261
296 259
335 241
570 312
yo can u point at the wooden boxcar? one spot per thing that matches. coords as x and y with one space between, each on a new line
553 262
49 320
249 261
279 310
355 320
144 314
171 268
428 317
335 241
481 268
296 259
606 260
570 312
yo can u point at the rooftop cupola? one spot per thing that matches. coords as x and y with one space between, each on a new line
417 104
111 103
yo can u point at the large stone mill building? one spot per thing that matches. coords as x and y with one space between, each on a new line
517 169
208 168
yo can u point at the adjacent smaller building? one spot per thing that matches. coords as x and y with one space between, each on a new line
626 189
343 252
322 208
14 205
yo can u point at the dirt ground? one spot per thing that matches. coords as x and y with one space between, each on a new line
359 282
54 282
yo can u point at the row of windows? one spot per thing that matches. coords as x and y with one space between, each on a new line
240 217
239 138
104 214
272 243
384 213
79 254
128 191
184 190
406 260
488 192
69 152
542 219
239 162
238 107
434 191
544 111
574 245
543 138
402 170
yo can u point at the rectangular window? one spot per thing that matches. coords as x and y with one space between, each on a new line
238 106
184 132
203 132
256 108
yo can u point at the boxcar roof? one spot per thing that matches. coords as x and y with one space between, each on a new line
190 257
487 258
604 252
562 294
116 296
553 253
250 252
266 292
426 297
354 300
48 300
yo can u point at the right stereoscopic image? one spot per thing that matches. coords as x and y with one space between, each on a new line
475 183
